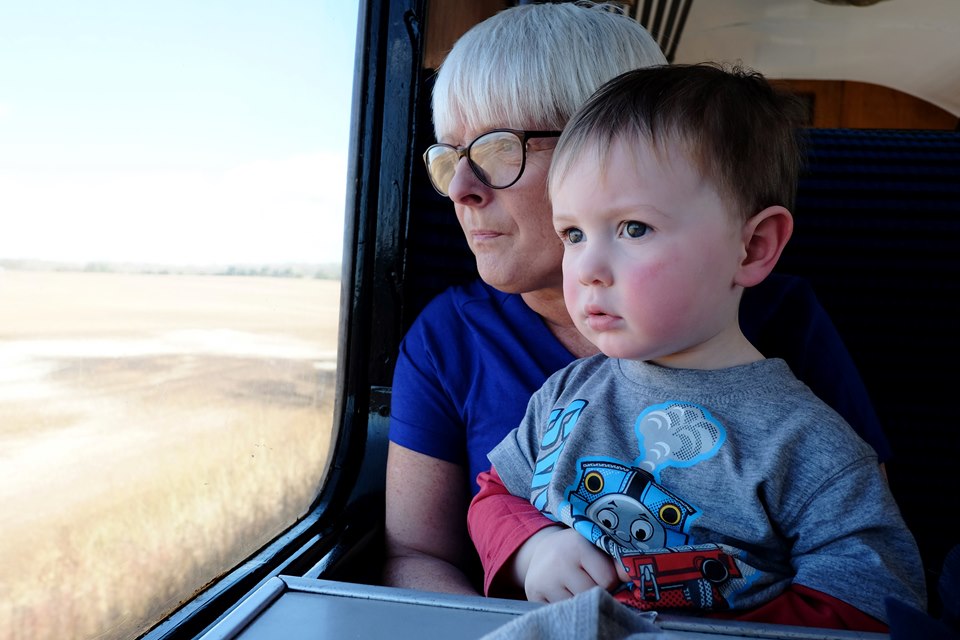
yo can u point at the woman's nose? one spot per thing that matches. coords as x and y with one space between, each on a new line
466 188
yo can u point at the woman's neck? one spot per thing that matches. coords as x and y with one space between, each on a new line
549 305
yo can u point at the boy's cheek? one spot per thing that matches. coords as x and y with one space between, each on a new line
569 267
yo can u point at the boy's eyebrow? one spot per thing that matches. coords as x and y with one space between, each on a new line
564 221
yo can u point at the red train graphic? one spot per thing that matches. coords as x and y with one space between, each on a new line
679 578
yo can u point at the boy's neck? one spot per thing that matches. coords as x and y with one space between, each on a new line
730 349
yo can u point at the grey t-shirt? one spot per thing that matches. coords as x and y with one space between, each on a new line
716 489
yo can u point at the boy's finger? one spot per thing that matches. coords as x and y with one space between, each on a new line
581 581
600 570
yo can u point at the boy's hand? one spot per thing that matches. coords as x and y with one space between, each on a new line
557 563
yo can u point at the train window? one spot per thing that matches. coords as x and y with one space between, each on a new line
172 182
195 397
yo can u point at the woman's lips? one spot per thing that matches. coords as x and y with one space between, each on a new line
481 235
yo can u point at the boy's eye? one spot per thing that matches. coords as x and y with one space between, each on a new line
634 229
572 235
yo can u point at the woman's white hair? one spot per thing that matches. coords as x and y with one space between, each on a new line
532 66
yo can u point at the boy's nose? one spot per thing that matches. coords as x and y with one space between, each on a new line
593 268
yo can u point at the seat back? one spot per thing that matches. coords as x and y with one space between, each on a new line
878 235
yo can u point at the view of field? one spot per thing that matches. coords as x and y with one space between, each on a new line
154 431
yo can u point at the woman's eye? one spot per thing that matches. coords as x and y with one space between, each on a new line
634 229
571 235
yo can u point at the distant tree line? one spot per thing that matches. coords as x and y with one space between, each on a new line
329 271
325 272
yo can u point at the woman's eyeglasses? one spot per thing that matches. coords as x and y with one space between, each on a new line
496 157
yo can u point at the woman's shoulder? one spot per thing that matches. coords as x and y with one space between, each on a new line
465 299
579 373
476 306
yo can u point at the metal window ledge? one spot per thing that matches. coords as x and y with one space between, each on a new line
298 608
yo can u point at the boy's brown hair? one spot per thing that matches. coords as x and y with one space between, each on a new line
740 132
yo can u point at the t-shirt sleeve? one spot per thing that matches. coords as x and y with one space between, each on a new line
860 554
423 416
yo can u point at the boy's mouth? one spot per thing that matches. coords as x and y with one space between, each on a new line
598 319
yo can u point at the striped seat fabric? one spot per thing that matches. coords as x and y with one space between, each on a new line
878 235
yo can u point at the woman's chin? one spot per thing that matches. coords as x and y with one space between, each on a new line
509 280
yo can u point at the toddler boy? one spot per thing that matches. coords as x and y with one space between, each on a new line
714 478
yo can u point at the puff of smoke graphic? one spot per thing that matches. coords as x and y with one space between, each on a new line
676 434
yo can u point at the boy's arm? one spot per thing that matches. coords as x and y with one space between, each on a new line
526 554
499 523
806 607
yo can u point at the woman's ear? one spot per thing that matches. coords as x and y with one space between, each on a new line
764 237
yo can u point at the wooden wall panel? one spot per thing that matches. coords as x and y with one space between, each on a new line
861 105
447 20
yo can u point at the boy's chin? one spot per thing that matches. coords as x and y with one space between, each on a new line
612 348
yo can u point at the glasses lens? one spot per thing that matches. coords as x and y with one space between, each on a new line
497 157
441 161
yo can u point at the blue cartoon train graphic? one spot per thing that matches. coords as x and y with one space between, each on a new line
626 512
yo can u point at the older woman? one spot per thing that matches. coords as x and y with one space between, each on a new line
470 362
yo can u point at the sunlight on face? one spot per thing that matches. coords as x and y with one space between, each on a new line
509 230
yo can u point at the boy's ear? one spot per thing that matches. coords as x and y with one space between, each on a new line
764 237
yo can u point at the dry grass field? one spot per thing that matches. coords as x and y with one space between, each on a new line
154 431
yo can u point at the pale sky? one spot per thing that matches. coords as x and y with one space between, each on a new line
185 132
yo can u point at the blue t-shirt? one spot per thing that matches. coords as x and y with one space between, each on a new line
472 359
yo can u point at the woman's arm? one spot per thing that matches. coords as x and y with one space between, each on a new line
426 539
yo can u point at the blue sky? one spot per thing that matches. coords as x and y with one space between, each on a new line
182 131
